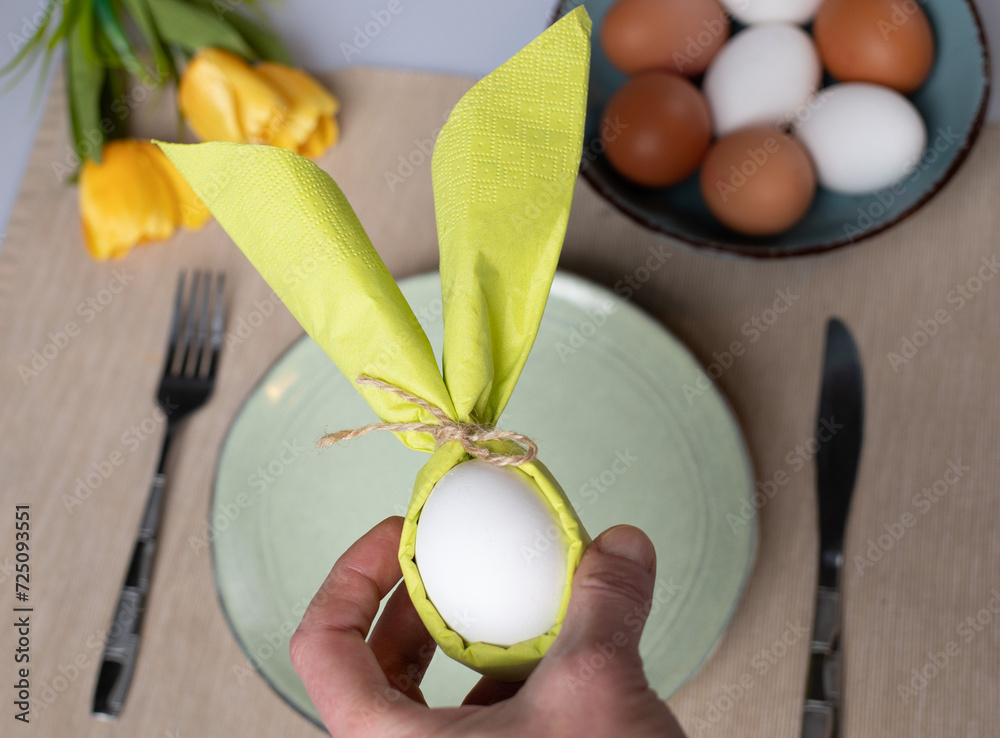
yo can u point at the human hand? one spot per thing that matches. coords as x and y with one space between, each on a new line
591 682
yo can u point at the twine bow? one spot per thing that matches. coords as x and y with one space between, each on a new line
446 430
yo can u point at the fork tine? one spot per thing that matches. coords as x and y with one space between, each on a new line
186 338
217 323
201 342
175 324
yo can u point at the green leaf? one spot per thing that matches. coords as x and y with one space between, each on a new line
70 15
111 26
84 81
142 16
267 45
252 27
115 91
103 52
32 47
90 39
194 27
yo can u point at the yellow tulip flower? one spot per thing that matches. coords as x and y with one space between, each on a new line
310 128
225 99
133 196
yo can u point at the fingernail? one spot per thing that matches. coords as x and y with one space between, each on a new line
629 543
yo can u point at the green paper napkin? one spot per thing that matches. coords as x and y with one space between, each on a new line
504 168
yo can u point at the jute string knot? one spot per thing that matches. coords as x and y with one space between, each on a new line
444 431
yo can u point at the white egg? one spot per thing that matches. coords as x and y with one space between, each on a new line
862 137
491 554
762 76
772 11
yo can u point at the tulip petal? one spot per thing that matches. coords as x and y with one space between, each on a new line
308 125
299 87
207 102
191 211
324 136
126 200
224 99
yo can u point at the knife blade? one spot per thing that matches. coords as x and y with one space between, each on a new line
839 435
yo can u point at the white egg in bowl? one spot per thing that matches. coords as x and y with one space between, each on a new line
862 137
761 77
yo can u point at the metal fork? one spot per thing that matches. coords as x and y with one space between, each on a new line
187 382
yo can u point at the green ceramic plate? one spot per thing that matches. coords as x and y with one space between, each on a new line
602 393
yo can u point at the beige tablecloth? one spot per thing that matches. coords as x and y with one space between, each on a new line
922 652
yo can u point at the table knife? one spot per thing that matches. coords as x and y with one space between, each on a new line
839 432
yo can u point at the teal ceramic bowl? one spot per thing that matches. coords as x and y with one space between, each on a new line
952 101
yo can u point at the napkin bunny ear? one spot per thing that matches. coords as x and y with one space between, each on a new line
297 228
504 169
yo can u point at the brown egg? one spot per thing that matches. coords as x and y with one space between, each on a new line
656 129
887 42
672 35
758 181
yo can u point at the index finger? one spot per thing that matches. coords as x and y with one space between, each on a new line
328 649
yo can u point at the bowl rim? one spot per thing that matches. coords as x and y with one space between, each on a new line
721 248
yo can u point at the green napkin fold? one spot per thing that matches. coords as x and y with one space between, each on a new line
504 168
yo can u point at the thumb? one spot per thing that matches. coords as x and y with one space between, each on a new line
611 594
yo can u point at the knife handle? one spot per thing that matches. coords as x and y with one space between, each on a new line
820 714
826 621
819 720
122 646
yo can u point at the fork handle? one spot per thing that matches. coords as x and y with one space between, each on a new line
122 645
